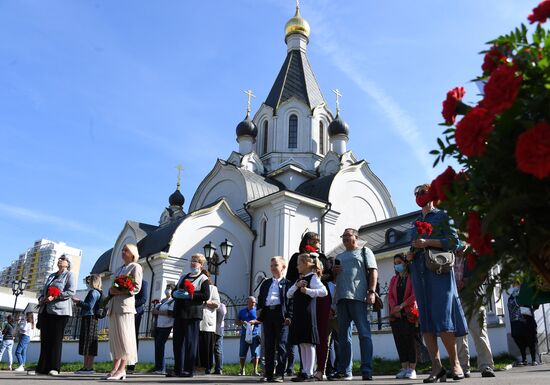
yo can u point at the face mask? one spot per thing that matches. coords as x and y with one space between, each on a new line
167 292
515 291
399 268
195 270
422 200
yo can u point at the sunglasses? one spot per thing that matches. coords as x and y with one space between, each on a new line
420 192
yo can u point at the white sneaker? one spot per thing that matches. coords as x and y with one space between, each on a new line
242 372
20 368
53 373
401 373
410 374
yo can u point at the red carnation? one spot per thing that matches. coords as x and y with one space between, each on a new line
189 287
443 184
454 96
155 302
502 89
423 228
493 58
471 260
479 241
540 13
471 132
533 151
310 249
53 292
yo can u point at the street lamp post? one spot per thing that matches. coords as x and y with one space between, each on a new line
17 288
213 258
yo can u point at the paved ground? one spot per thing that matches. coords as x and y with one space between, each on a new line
538 375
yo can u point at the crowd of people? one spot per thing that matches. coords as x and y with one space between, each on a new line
310 304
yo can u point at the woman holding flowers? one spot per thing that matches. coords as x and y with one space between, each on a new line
121 310
55 309
436 294
192 290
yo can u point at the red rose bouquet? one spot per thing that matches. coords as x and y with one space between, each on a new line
499 201
53 292
189 287
125 283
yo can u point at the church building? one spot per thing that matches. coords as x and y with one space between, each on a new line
291 173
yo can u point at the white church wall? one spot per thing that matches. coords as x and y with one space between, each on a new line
127 235
216 224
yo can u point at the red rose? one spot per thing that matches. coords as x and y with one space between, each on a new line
454 96
540 13
443 183
189 287
423 228
502 89
471 260
310 249
53 292
479 241
471 132
533 151
493 58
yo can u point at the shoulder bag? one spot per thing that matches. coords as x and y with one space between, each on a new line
439 261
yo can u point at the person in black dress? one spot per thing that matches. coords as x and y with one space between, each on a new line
303 328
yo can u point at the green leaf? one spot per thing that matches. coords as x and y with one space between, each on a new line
434 152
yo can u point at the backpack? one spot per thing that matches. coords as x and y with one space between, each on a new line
99 311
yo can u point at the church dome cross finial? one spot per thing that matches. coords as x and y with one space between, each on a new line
179 168
250 95
338 96
177 199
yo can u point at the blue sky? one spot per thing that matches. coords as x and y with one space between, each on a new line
100 100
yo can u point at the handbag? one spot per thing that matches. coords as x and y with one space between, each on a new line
378 305
439 261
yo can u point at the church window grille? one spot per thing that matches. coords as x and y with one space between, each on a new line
265 135
293 131
321 138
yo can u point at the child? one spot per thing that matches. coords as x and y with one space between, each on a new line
274 311
303 328
247 319
26 328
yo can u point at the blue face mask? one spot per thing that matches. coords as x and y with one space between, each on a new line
195 270
399 268
514 291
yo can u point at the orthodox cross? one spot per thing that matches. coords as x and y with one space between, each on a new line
179 168
338 95
250 95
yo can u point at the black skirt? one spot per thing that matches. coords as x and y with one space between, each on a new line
303 328
87 344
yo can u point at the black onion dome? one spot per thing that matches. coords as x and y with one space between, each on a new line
247 127
176 199
338 127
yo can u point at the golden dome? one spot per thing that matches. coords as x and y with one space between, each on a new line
297 24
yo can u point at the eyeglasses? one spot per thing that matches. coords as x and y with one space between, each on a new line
420 192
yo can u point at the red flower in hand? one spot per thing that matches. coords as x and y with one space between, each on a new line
53 292
155 302
471 132
502 89
479 241
533 151
540 13
443 183
454 96
189 287
423 228
310 249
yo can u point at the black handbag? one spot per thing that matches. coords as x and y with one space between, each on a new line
439 261
378 305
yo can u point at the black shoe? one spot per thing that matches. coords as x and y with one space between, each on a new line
487 372
277 379
217 372
207 371
289 372
441 377
467 374
457 377
340 377
367 377
186 374
171 373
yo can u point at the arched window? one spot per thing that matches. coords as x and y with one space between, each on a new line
321 138
265 136
263 232
293 131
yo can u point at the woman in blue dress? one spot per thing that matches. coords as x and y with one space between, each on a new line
439 307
